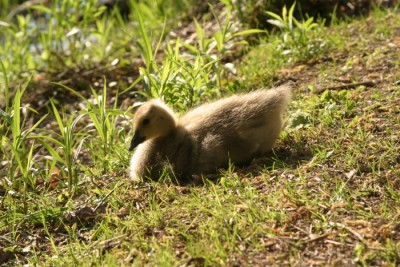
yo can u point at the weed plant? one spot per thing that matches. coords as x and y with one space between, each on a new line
295 39
189 77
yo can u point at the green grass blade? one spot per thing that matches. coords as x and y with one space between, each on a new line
275 16
42 8
165 74
27 132
16 119
191 48
248 32
161 37
138 79
146 46
200 35
29 161
290 16
50 149
71 90
58 119
6 116
96 123
7 89
75 121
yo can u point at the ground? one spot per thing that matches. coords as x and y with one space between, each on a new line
328 195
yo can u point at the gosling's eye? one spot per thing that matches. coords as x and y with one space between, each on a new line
146 121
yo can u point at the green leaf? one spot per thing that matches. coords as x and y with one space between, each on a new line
200 35
299 119
191 48
71 90
27 132
219 38
276 23
161 37
3 68
42 8
16 119
6 116
139 79
58 119
290 17
276 16
146 46
284 15
51 150
165 74
326 96
247 32
29 161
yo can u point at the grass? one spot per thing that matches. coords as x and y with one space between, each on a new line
327 195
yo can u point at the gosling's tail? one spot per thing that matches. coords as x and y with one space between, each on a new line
280 96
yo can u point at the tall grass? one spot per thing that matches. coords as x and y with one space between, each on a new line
188 74
103 120
17 150
295 33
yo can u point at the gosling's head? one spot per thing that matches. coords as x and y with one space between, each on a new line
153 119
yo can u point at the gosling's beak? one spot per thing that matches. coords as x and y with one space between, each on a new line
137 139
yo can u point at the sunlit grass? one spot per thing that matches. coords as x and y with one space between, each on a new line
330 186
69 35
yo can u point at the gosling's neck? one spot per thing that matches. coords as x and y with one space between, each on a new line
166 120
169 124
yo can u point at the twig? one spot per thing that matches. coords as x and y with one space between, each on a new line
108 241
289 240
317 237
345 86
352 245
134 251
301 230
377 248
15 243
357 235
104 198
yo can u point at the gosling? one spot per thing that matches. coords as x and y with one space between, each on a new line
235 129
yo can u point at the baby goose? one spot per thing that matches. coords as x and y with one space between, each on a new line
234 129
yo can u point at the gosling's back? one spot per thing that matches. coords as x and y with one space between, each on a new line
235 129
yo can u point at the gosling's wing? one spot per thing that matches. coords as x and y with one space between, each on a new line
243 110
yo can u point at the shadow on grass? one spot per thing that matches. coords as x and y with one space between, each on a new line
288 155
